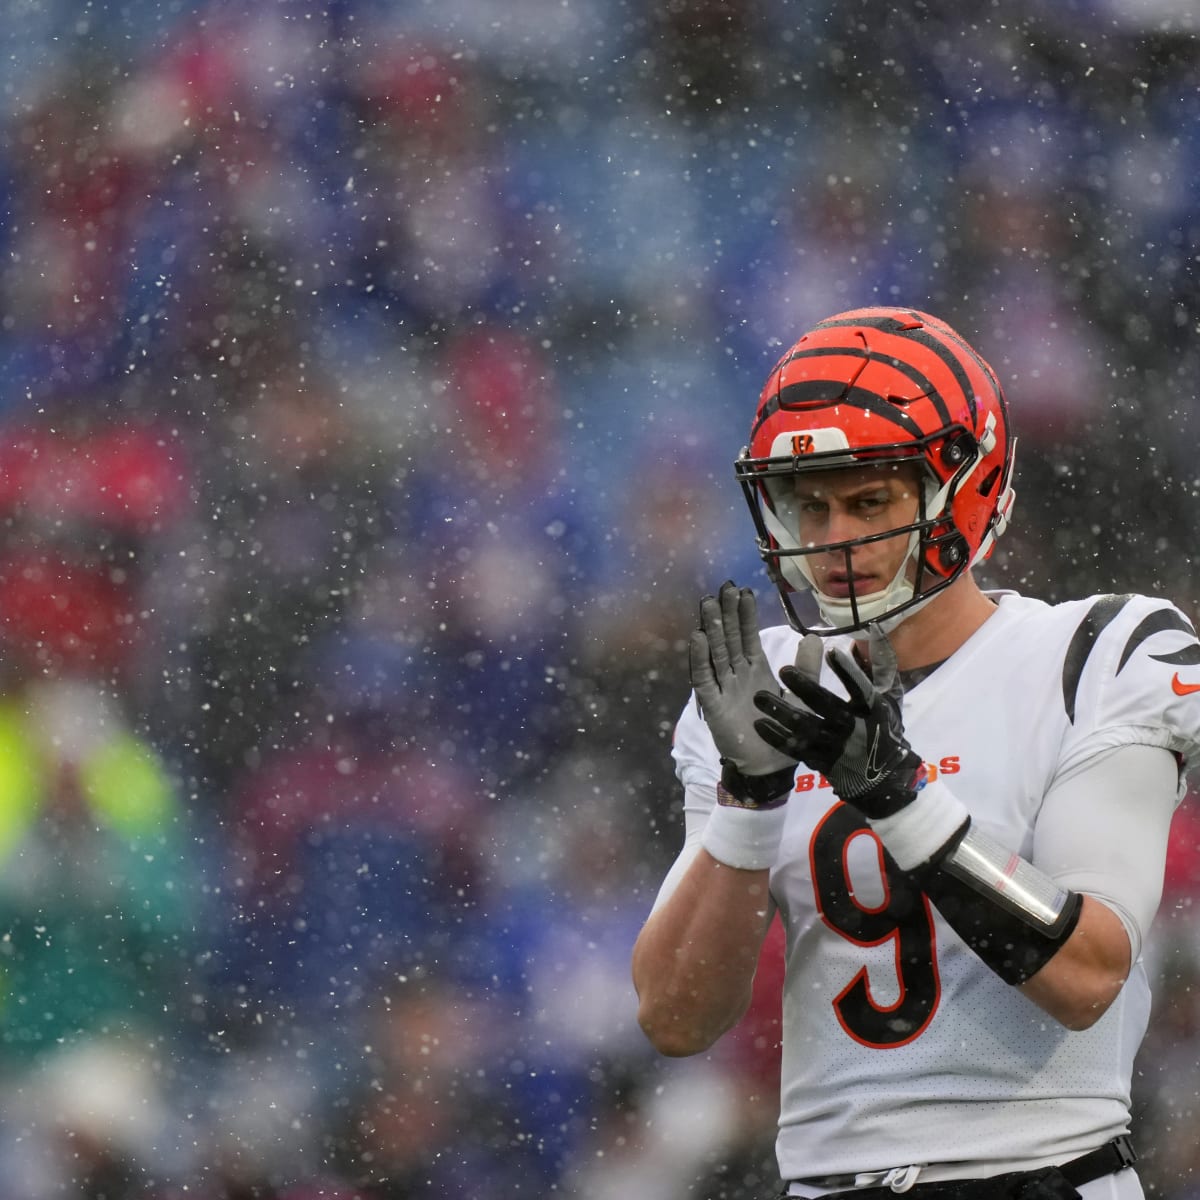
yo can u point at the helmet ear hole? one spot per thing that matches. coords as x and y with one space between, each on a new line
958 449
952 551
985 488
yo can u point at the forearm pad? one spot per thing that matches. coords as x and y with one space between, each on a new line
1011 914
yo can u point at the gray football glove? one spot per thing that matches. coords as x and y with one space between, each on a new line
728 668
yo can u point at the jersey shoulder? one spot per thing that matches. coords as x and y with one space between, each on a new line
1130 673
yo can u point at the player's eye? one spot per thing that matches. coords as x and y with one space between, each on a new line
872 503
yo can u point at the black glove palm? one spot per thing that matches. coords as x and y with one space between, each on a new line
858 743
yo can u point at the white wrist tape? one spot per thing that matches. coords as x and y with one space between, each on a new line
919 830
743 837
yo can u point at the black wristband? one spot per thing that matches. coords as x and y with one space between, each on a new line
1010 946
754 791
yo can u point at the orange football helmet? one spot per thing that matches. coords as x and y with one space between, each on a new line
881 386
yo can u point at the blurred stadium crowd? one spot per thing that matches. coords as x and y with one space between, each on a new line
372 375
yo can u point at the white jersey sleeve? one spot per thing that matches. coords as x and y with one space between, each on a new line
1131 676
698 768
697 762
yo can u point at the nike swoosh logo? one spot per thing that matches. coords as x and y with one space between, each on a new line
1183 689
872 769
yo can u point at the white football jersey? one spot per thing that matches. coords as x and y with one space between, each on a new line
900 1046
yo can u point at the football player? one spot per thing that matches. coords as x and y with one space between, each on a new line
957 801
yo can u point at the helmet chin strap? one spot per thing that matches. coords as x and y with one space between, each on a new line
838 612
875 607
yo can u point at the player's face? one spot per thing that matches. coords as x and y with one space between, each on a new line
855 502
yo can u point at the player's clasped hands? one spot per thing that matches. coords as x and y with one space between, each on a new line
857 743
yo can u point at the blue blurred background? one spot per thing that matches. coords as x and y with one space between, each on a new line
372 372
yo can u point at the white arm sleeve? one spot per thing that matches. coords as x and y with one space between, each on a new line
678 869
1103 831
699 800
